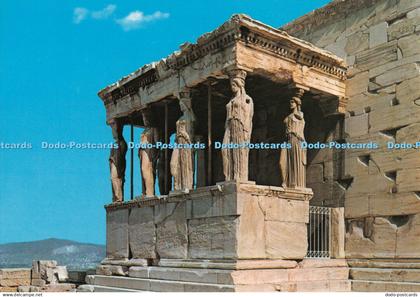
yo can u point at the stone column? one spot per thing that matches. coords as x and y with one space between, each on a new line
117 162
238 128
338 232
163 171
201 164
164 174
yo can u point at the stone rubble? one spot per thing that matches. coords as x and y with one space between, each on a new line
45 276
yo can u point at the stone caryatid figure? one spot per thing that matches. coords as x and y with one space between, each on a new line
293 160
148 155
238 128
117 161
182 159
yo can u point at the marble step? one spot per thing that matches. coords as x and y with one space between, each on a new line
93 288
385 263
386 274
315 286
111 289
160 285
240 277
383 286
157 285
173 286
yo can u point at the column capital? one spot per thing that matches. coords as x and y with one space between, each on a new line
342 104
237 73
298 93
296 86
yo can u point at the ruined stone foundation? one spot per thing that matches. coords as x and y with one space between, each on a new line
227 237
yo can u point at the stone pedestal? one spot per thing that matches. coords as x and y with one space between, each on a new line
227 237
228 221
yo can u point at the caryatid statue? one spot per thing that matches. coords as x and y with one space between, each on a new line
148 156
293 160
238 128
117 161
182 159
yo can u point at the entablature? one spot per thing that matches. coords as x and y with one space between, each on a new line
241 42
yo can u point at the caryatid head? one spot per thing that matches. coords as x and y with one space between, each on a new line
147 117
237 81
117 128
184 98
296 102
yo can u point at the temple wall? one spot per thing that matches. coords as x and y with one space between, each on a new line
380 41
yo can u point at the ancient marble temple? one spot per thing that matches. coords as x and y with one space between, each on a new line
225 219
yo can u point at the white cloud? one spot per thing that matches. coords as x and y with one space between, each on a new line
79 14
133 20
104 13
136 19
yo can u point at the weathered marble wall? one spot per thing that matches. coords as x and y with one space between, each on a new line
380 40
228 221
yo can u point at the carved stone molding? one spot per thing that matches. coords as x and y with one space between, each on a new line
239 29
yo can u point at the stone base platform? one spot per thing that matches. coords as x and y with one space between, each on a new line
288 276
387 275
228 221
228 237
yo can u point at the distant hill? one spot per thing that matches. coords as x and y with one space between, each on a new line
74 255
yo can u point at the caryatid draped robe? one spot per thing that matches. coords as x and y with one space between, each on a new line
293 160
148 159
182 160
117 165
238 128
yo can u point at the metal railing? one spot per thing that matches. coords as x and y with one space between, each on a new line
319 232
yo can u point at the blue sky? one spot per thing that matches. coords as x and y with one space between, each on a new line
54 57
